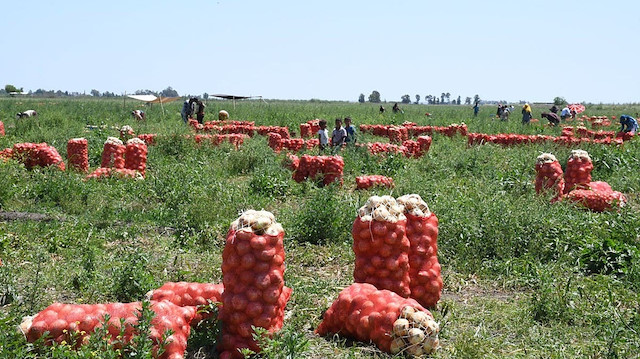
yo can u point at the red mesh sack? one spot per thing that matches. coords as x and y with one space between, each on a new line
305 130
311 143
126 133
392 323
578 172
424 268
185 294
275 141
78 154
332 168
425 143
412 149
366 182
148 138
48 156
549 175
1 128
597 200
136 156
293 144
61 320
113 153
253 277
398 134
381 246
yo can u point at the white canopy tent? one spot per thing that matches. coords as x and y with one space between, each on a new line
150 99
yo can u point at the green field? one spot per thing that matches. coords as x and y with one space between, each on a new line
523 278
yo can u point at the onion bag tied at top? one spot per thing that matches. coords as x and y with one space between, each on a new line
381 246
78 154
63 320
578 173
393 323
113 153
253 277
424 268
549 175
1 128
136 156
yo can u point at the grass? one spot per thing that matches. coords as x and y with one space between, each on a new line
523 278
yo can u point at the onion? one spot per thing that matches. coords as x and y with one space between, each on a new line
430 345
401 327
415 350
421 318
407 311
397 345
416 336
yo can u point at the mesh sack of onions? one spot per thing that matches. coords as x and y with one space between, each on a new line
126 133
78 154
291 162
136 156
425 143
332 168
578 172
253 277
2 128
394 324
48 156
381 245
64 322
549 175
424 268
26 153
597 200
305 130
366 182
412 149
113 153
186 294
148 138
275 141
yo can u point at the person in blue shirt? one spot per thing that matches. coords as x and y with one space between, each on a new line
351 131
629 124
476 109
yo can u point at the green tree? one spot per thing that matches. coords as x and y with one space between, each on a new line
95 93
429 99
169 92
10 88
459 102
559 101
442 96
406 99
417 99
361 98
448 96
467 100
374 97
205 96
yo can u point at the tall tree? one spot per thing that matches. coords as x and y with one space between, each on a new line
374 97
95 93
417 99
10 88
448 96
467 100
361 98
406 99
442 96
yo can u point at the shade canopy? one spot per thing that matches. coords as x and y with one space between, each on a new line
153 98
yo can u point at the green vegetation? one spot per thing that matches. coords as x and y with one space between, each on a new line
523 278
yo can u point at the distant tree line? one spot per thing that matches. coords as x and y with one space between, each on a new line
8 89
444 98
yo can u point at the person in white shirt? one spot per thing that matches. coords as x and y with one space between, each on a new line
323 135
565 113
338 136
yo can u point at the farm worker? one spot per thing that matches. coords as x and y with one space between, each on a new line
552 117
139 115
554 109
476 109
565 113
526 114
338 136
505 113
396 108
200 111
629 124
186 111
351 131
381 109
323 135
499 111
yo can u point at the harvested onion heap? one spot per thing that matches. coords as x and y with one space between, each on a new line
258 222
415 332
381 208
126 132
414 205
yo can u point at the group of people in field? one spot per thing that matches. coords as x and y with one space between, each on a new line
193 106
628 123
340 136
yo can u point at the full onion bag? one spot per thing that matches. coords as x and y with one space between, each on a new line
136 156
549 175
381 246
366 182
113 153
291 162
394 324
253 277
148 138
275 141
424 268
597 200
37 154
578 171
185 294
126 133
78 154
425 143
61 320
1 128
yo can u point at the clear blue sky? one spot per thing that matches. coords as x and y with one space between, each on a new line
333 50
